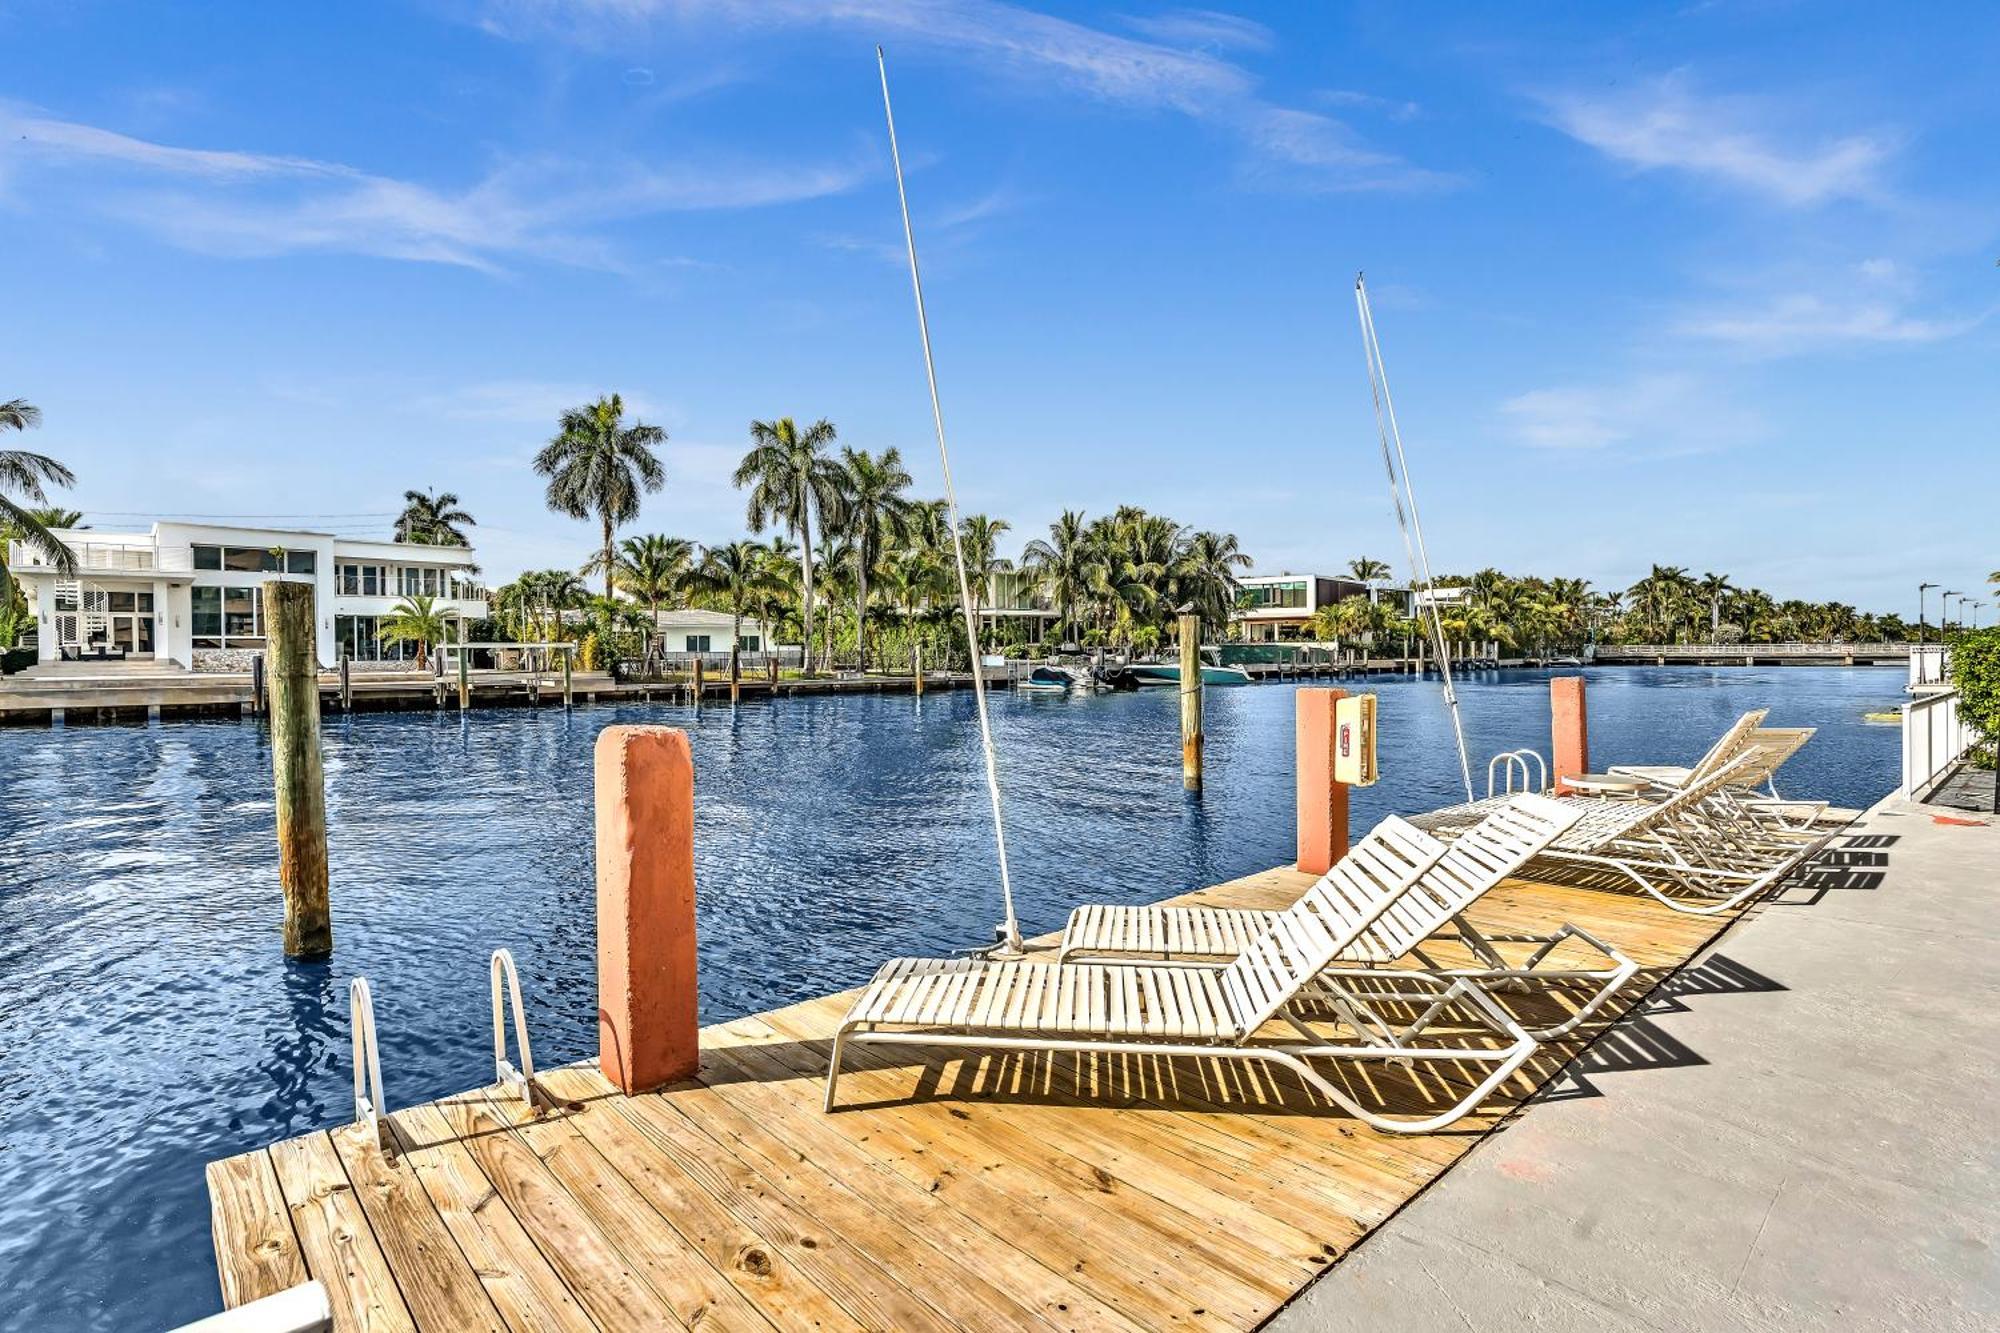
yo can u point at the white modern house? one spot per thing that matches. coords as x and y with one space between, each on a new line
1275 606
694 630
187 594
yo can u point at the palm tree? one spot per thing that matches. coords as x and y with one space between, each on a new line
1064 565
873 496
433 520
736 575
980 536
25 474
1206 575
417 619
1712 589
598 465
651 569
1368 571
790 475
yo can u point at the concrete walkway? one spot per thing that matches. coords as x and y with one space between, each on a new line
1799 1133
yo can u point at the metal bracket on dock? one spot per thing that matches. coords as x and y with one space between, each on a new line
1516 762
367 1059
503 1071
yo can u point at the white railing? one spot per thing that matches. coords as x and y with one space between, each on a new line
105 557
1935 738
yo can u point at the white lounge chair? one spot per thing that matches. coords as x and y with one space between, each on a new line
1286 973
1099 932
1766 749
1697 850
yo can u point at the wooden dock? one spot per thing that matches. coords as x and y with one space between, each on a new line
949 1191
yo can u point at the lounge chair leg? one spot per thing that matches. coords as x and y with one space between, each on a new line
833 1068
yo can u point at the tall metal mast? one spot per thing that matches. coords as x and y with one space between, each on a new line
1008 932
1398 468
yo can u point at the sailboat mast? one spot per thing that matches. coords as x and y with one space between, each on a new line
1397 465
1009 930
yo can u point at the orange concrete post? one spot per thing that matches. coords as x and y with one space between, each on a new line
646 1023
1569 729
1322 801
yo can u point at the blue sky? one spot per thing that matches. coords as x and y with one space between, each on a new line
1707 284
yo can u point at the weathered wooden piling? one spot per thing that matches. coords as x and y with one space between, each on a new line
298 774
917 668
346 681
257 684
1190 630
464 670
569 697
699 682
735 672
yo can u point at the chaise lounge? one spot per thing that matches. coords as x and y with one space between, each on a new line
1390 888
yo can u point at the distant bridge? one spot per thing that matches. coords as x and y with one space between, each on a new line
1753 654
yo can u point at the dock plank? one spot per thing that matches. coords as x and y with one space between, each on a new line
529 1295
338 1243
951 1189
256 1250
442 1291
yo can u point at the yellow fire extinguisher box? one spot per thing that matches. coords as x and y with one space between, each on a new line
1354 740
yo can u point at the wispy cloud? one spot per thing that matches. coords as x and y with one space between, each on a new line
1205 30
1651 415
1178 72
1873 302
1665 124
1803 321
238 203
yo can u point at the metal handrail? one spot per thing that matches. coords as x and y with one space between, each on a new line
504 1072
368 1102
1517 761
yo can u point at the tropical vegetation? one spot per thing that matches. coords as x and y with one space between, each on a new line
433 519
597 466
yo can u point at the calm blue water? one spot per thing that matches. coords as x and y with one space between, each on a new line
148 1022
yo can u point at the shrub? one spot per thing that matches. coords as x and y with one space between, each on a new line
1975 670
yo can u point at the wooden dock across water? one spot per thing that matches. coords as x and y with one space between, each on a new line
973 1190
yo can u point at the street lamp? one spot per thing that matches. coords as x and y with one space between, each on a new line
1922 588
1975 605
1944 611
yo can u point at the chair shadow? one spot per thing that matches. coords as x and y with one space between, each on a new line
1635 1042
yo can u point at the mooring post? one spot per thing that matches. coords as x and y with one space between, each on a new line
699 682
1190 631
735 672
464 670
1569 730
646 1010
917 668
257 683
771 670
1322 800
346 681
297 771
568 697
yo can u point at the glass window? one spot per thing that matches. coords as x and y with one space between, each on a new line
210 642
252 560
239 613
346 580
430 582
371 581
120 601
697 643
749 643
145 601
208 557
207 609
301 562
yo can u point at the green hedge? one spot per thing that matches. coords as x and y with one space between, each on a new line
1975 669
